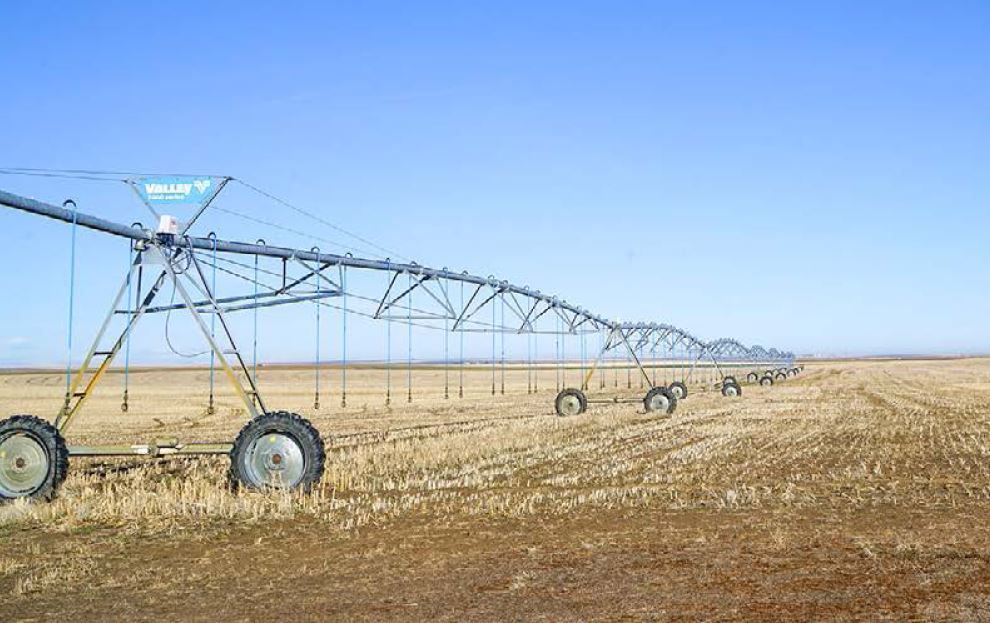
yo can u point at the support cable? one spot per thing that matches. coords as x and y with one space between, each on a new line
72 302
409 298
446 341
179 270
318 219
640 376
615 370
502 346
653 356
55 173
254 337
601 369
628 370
584 347
460 382
291 230
678 348
388 346
343 343
124 404
557 350
211 407
529 363
316 395
536 354
494 360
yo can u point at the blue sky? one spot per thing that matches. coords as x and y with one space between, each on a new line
811 176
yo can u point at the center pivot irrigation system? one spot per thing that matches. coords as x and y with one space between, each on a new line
282 449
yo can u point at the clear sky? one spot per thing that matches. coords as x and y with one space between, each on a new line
812 176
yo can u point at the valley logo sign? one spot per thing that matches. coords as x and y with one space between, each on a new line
176 190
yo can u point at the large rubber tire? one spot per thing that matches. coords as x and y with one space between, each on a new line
277 450
731 390
780 376
766 380
730 379
570 402
34 459
660 399
752 377
679 390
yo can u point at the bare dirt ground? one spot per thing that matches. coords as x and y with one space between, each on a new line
859 490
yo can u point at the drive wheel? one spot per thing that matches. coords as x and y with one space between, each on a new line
752 377
766 380
679 390
34 459
730 379
277 450
660 399
731 390
570 402
780 376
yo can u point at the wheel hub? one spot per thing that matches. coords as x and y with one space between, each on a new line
23 465
660 403
275 460
571 405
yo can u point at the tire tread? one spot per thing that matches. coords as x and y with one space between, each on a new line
281 421
54 443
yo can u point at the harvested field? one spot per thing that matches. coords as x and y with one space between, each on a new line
856 490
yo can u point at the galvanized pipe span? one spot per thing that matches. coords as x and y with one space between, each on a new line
724 347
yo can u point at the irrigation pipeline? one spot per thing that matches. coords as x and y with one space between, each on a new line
242 248
527 306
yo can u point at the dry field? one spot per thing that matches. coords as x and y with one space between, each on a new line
859 490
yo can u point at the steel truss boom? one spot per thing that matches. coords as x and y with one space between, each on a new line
574 318
243 248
